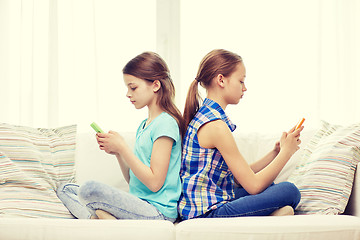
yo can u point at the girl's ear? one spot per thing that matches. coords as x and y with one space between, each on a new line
220 80
156 86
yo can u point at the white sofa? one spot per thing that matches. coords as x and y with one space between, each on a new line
93 164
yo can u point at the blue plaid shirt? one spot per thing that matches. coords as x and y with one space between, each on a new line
207 181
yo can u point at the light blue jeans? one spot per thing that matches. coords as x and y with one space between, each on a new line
82 202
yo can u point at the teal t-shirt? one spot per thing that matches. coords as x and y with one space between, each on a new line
165 200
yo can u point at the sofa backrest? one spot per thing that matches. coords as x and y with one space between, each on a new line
94 164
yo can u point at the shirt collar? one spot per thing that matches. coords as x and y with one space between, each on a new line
214 105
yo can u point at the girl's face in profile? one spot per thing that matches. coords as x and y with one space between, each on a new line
140 92
235 85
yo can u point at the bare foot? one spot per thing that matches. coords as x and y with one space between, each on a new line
104 215
284 211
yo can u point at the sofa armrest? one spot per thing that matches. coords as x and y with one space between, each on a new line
353 207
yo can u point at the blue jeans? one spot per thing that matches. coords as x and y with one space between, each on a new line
262 204
82 202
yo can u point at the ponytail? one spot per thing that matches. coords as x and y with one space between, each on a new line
166 101
192 103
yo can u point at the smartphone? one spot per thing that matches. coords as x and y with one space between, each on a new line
96 127
300 124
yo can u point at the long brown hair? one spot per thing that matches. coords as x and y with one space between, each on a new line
218 61
150 66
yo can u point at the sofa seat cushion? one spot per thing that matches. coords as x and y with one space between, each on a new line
85 229
329 227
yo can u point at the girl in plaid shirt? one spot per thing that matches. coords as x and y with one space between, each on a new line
211 161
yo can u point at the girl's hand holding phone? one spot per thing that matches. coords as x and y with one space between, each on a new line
291 140
110 142
278 144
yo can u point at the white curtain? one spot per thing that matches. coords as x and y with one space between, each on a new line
339 62
61 61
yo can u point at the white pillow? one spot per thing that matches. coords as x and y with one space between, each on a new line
325 173
33 161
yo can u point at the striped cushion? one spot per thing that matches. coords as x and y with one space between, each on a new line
326 171
33 161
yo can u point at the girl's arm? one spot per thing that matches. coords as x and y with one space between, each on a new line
263 162
124 167
216 134
154 176
266 160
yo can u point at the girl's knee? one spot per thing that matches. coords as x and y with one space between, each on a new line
293 192
89 190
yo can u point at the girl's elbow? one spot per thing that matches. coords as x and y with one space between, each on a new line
255 189
155 186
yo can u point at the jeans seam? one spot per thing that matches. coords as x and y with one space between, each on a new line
90 205
247 213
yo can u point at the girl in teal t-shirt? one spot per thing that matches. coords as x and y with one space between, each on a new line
152 169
